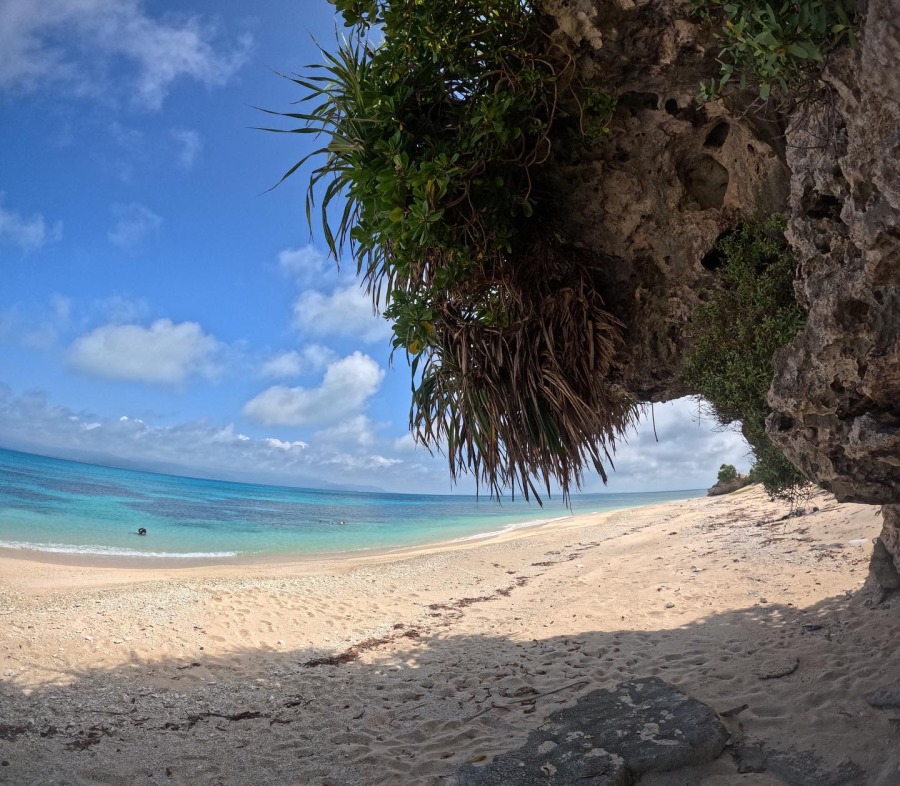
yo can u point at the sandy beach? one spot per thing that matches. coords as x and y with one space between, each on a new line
399 668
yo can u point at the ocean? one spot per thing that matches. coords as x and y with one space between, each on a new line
66 507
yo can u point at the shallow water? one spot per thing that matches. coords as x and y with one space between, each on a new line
53 505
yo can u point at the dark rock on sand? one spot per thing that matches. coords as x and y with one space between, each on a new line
794 767
805 768
610 737
887 697
750 757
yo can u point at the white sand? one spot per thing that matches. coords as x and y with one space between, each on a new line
119 675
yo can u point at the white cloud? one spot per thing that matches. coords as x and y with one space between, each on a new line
30 422
407 444
134 222
345 312
93 47
189 146
347 385
287 364
304 264
350 462
311 358
27 232
686 455
272 442
357 430
316 357
164 353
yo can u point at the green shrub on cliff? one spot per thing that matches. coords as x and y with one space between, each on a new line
727 472
735 336
775 46
437 118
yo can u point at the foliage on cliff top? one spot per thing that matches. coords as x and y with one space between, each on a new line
735 336
727 472
437 118
775 46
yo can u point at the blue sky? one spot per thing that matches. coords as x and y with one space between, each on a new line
160 308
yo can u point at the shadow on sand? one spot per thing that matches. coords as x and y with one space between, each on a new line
413 709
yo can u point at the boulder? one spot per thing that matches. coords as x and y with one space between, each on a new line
610 737
727 486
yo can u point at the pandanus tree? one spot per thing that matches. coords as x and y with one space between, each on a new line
437 121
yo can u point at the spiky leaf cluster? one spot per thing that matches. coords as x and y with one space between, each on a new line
437 119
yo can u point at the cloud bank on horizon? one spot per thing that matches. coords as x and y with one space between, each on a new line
160 310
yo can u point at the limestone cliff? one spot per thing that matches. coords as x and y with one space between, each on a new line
728 486
836 394
653 196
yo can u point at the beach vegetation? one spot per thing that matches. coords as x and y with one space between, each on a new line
734 337
774 47
727 472
438 120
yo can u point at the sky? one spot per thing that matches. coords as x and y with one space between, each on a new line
162 308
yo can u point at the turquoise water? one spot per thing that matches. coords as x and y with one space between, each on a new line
61 506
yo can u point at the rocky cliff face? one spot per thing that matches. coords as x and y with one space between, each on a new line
653 197
728 486
836 395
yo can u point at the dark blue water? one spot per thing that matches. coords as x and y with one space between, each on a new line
61 506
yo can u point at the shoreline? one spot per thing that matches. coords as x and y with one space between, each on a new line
402 667
155 562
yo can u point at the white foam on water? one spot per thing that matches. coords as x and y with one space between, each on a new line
508 528
112 551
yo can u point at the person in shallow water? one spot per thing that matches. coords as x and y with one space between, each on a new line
142 531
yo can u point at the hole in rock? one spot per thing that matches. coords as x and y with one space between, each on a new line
825 206
716 138
852 313
714 258
672 106
705 180
636 102
780 422
693 114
